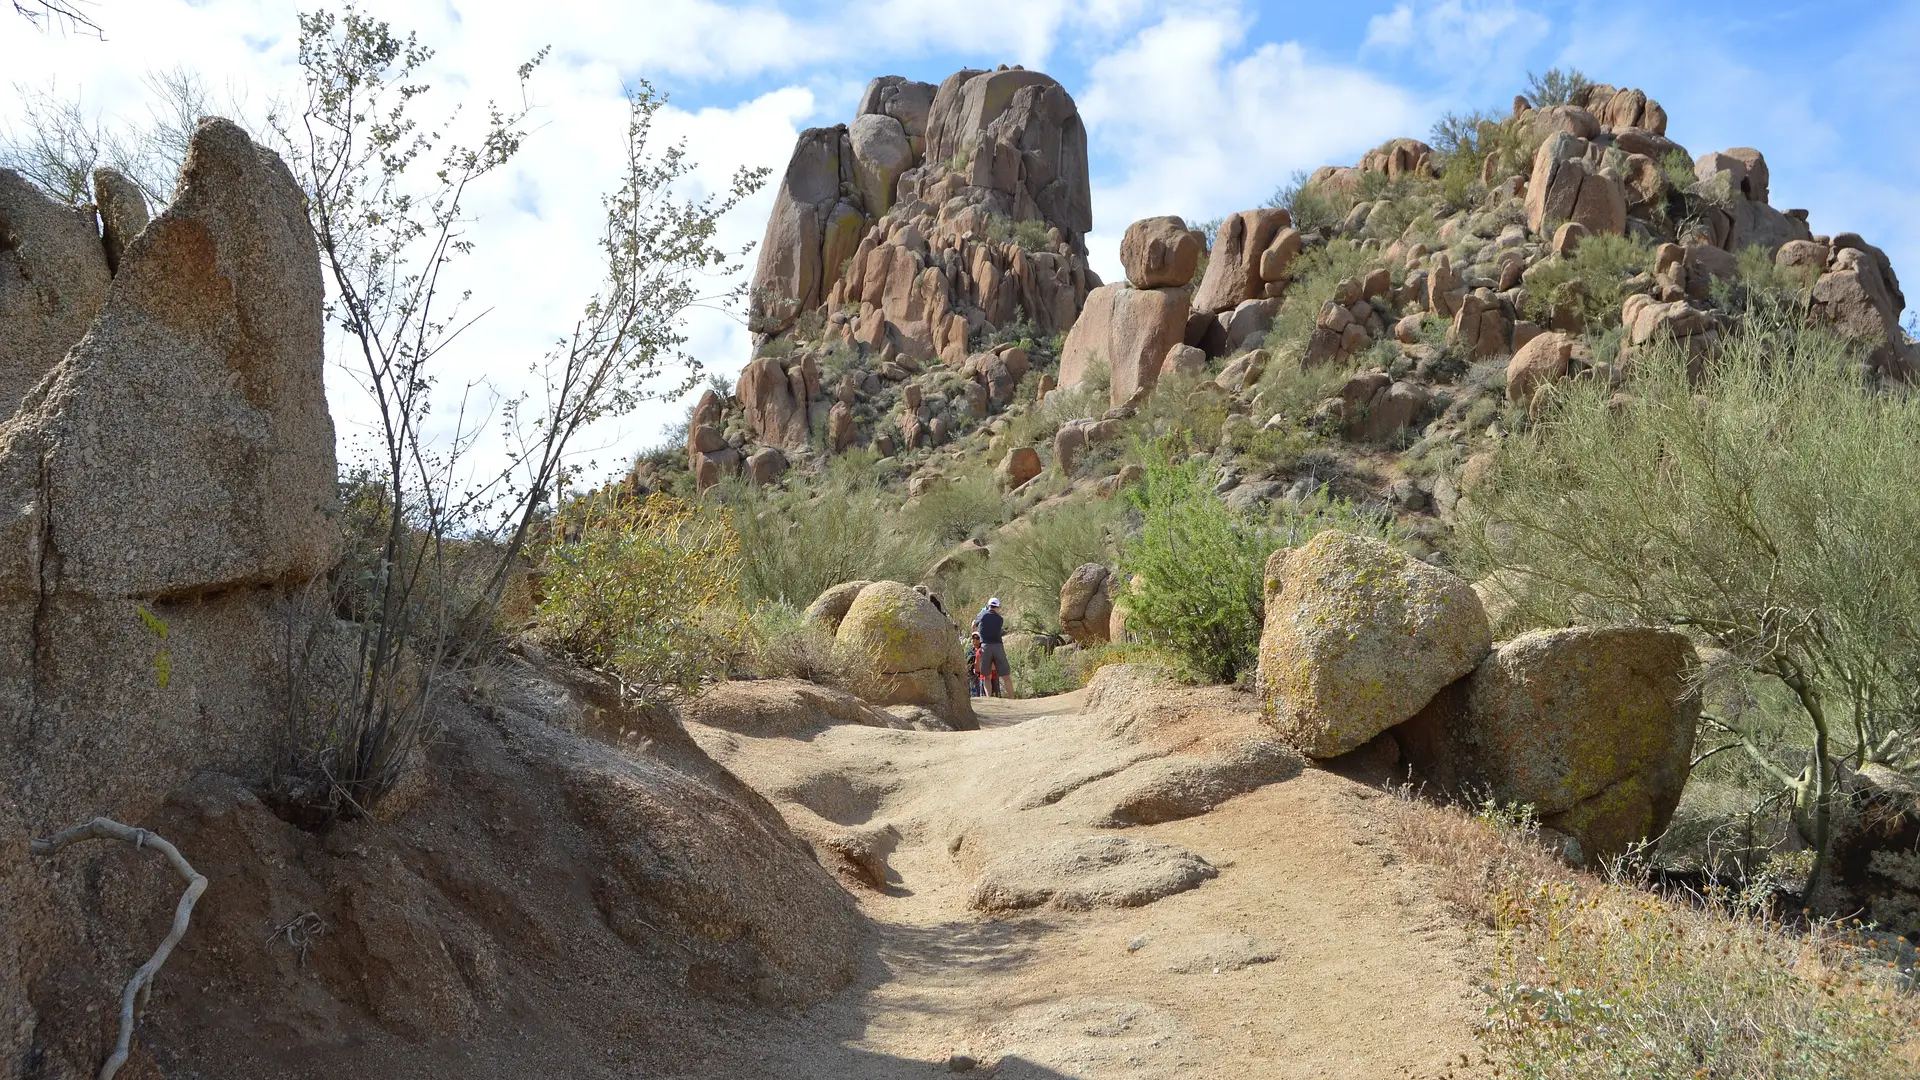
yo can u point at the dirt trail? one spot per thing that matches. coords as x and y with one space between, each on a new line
1311 954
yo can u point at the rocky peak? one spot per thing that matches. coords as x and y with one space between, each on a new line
938 217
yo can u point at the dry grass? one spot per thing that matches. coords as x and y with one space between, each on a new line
1598 978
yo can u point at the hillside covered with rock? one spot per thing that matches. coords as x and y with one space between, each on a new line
1363 346
1293 775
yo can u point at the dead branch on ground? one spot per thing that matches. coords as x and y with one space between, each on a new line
134 996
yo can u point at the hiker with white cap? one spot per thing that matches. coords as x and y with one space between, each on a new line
993 649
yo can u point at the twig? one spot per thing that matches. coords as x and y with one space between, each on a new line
300 932
134 996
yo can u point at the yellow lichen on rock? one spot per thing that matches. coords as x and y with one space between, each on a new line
1359 637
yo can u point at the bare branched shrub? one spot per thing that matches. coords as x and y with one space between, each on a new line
432 549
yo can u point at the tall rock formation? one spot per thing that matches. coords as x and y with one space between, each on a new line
171 473
937 214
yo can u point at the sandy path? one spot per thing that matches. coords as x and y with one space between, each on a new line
1311 955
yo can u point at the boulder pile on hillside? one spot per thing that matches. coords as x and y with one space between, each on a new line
1592 727
941 217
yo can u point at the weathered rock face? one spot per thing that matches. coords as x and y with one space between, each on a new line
1398 158
1128 329
1251 252
1018 134
936 213
780 398
53 279
175 469
1358 638
1160 252
1540 361
1859 296
1021 464
811 221
1591 726
123 212
915 647
206 357
1566 187
1086 604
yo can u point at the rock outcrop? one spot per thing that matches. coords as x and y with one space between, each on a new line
939 215
178 462
1086 604
169 483
1591 726
1251 255
1358 638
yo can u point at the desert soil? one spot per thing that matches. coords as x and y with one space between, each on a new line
1313 953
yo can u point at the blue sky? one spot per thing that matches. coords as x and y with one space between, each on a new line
1197 108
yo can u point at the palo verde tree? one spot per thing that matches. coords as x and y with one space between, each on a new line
1758 501
387 199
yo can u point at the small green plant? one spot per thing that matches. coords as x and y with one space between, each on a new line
1029 235
1591 281
646 591
1558 87
162 656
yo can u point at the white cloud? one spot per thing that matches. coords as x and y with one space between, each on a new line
1196 127
1465 41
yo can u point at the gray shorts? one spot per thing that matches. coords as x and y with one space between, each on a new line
993 659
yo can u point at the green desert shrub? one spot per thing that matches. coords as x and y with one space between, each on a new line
1195 568
1033 558
648 591
1557 87
1592 279
1030 235
1752 500
794 543
964 507
1312 207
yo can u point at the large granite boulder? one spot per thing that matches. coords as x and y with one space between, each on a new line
1358 638
1240 268
169 488
1859 297
1160 252
1086 604
1566 186
1593 727
1128 329
914 647
779 397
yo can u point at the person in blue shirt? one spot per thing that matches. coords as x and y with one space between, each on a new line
993 650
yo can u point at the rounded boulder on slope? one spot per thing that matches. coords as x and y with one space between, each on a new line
1359 637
